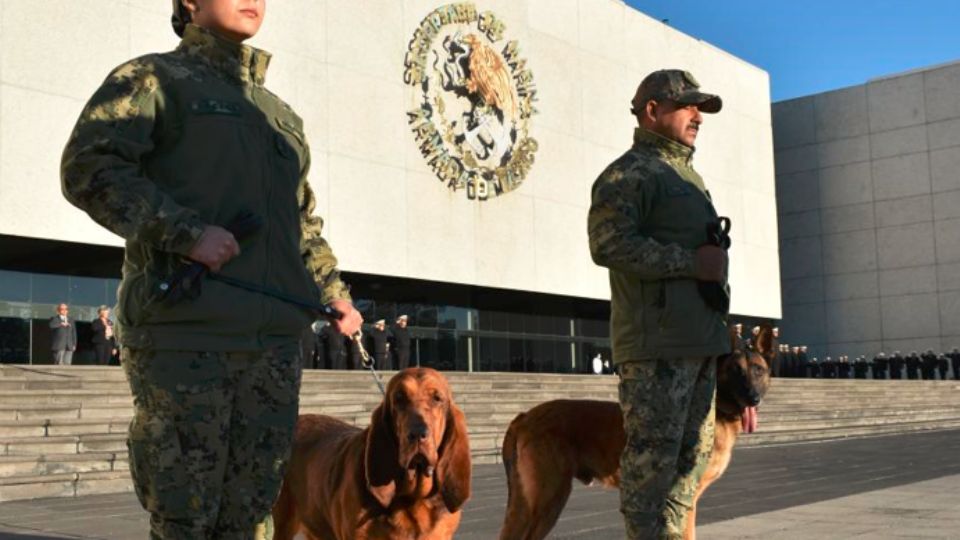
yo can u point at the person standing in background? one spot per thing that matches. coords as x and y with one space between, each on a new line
400 343
64 339
104 343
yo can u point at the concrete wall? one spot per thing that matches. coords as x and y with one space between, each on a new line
868 184
340 64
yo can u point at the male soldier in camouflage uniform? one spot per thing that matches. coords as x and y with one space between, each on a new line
648 224
172 147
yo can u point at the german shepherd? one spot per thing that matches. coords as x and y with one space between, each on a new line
547 447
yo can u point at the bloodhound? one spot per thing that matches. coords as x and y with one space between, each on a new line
547 447
405 476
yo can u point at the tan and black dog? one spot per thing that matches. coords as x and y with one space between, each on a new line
547 447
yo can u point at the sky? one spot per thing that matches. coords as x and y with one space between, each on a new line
814 46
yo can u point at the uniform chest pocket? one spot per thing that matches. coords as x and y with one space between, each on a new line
679 190
290 142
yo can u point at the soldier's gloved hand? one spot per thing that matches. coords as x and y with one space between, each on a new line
350 319
215 247
710 263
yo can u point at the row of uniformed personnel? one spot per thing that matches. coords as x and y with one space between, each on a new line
326 348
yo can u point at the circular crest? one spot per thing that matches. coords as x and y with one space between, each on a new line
473 100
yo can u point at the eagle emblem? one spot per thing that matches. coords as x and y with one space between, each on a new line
473 99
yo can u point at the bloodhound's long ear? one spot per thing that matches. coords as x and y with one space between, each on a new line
453 467
763 342
381 456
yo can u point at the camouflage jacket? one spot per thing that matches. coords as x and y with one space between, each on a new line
173 142
648 215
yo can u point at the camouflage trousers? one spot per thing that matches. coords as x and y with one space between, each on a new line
210 437
668 416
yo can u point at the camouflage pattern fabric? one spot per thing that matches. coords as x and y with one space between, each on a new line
648 215
171 143
668 416
210 437
674 85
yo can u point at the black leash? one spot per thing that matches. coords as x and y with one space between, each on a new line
365 360
186 283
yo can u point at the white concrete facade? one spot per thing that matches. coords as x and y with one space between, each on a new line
868 182
340 65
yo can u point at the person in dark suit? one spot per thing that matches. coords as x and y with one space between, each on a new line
843 367
880 364
955 363
794 362
814 368
928 365
400 343
896 365
943 365
860 367
829 368
104 343
803 363
776 366
913 366
378 346
64 338
309 348
335 346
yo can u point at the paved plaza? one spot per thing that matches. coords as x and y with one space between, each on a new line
904 486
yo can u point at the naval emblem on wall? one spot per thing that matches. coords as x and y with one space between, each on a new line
473 99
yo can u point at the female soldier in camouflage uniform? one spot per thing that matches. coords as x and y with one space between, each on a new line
169 150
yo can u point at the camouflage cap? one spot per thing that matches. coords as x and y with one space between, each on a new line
674 85
180 17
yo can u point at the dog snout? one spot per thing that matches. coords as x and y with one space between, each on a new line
418 432
755 398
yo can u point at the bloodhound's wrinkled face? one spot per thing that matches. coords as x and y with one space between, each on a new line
744 376
417 443
421 402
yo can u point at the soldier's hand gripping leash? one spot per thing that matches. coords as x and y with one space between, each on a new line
187 281
714 294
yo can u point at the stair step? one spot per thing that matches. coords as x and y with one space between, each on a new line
33 465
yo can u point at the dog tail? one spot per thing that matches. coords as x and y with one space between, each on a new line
508 452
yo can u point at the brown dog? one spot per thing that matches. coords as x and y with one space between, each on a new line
405 476
547 447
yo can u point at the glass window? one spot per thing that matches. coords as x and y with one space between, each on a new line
447 350
386 311
366 308
426 316
86 291
112 286
484 320
14 340
50 289
14 286
494 354
454 317
499 321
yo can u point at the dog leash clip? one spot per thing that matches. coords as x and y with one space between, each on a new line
366 361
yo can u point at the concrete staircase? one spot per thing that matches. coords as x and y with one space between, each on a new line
63 430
